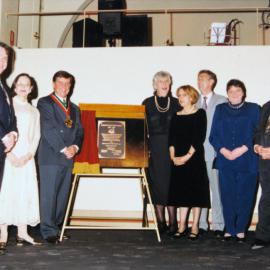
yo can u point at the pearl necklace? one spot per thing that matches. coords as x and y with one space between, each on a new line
159 108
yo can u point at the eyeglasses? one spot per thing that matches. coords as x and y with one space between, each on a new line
23 85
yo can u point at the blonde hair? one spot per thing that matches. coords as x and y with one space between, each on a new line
190 91
162 74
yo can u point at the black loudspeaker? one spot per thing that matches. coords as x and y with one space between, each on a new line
111 21
137 31
111 24
93 34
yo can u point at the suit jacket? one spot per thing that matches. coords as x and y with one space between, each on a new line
55 135
260 131
7 118
260 138
214 101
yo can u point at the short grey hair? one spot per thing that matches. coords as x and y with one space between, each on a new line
162 74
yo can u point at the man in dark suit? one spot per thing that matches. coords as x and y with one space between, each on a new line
262 148
8 130
61 138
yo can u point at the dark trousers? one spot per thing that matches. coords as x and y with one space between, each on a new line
55 184
263 226
237 190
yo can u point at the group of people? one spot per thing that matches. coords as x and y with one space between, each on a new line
206 143
198 142
54 130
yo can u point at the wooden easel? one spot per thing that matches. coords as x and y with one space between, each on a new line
136 157
145 196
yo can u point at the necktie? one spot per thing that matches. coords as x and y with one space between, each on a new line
267 127
204 105
5 92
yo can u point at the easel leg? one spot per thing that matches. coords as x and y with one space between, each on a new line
74 184
151 204
145 222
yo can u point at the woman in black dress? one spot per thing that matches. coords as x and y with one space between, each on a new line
189 182
159 110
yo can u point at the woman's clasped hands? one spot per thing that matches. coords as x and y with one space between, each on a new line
235 153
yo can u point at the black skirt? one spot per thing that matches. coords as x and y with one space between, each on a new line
159 169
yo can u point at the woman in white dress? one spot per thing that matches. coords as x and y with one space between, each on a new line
19 200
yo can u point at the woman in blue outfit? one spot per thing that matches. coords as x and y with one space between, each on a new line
231 135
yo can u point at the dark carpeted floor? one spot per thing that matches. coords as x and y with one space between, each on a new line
122 250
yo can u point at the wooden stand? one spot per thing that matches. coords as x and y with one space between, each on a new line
135 157
146 197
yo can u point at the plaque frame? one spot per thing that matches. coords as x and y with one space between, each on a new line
134 116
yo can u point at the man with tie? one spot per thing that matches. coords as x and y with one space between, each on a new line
61 138
8 130
208 100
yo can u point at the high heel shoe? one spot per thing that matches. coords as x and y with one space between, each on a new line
241 237
162 227
193 236
227 237
21 242
172 230
179 234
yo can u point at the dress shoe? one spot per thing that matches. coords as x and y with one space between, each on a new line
218 234
182 234
3 248
193 236
171 233
52 240
259 244
203 231
22 242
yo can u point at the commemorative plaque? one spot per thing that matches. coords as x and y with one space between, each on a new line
121 135
111 139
